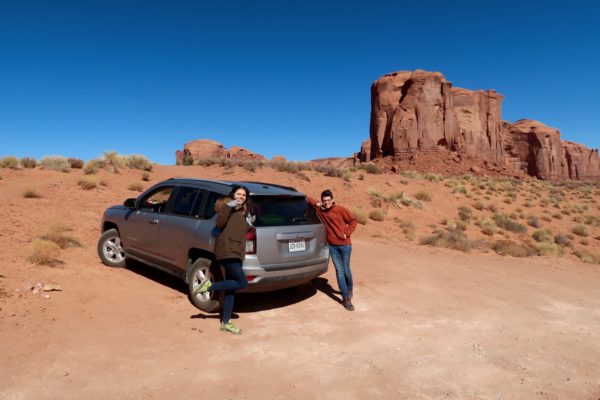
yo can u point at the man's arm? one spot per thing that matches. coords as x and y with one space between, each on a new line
350 221
313 202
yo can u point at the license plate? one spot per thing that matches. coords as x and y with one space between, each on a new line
297 245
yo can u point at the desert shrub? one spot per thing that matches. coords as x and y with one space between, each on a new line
510 248
55 163
347 175
10 162
28 162
377 214
136 187
136 161
87 183
580 230
461 189
360 215
57 233
113 161
431 177
187 160
478 205
31 193
587 256
507 200
592 220
76 163
584 242
562 240
546 218
423 196
289 166
408 228
508 223
92 166
492 207
464 213
488 227
328 170
543 236
549 249
534 221
145 176
43 252
454 239
369 168
411 174
513 216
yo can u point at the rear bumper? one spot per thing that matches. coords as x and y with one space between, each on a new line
280 276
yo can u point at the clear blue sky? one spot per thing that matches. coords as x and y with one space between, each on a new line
283 77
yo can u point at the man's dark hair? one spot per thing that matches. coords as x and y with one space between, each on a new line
326 193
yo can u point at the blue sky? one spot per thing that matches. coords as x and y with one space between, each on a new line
285 78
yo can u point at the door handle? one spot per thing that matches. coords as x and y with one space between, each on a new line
153 221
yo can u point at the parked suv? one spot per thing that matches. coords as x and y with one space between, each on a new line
171 227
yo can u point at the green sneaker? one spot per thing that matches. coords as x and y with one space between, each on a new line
203 287
230 327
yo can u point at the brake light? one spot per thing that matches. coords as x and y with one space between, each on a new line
251 241
250 278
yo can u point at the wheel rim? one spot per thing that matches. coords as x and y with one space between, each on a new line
112 250
199 276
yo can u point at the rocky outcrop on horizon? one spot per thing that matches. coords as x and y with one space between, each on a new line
420 112
206 148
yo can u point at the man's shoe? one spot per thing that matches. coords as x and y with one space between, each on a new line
348 305
203 287
230 327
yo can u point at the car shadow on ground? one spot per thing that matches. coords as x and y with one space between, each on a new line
157 276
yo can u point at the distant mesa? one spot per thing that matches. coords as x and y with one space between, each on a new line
206 148
418 115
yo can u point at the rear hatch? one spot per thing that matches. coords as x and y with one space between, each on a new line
288 231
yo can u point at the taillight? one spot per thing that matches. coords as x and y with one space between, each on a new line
251 241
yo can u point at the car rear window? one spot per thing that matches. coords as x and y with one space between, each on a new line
283 210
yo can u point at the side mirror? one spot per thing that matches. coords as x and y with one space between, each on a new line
129 203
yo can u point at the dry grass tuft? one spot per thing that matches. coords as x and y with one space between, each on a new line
581 230
43 252
587 256
32 193
508 223
377 214
55 163
28 162
87 183
510 248
543 236
136 187
423 196
360 215
408 228
76 163
10 162
453 239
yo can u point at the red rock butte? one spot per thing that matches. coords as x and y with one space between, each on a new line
420 112
206 148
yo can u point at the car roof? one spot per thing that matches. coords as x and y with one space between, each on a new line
255 188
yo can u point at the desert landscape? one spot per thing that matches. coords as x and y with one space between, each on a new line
466 287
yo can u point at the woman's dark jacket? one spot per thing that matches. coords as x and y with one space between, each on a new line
231 242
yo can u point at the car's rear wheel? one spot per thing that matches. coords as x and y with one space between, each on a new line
203 268
110 249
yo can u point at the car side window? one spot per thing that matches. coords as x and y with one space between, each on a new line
185 201
209 209
157 200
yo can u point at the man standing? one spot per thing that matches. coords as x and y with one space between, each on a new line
339 224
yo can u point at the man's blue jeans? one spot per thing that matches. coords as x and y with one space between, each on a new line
340 255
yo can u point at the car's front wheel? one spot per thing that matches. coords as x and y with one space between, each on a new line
110 249
203 269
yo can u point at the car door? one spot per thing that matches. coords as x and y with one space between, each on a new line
181 226
143 225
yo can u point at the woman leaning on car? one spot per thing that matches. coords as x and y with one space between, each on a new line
234 219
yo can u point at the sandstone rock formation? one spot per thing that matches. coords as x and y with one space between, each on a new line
205 148
420 112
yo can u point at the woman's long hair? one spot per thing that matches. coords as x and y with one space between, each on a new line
248 206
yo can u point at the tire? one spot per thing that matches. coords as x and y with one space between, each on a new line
110 249
201 269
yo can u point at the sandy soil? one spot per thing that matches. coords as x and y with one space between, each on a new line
429 323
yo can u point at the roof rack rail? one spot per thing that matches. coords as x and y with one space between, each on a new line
292 189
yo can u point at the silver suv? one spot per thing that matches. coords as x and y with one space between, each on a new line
171 227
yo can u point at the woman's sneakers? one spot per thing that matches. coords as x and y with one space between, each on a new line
348 304
230 327
203 287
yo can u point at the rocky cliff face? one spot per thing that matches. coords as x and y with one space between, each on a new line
205 148
420 112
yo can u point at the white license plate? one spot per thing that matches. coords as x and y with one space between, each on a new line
297 245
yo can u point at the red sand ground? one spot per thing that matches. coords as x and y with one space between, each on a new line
429 323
